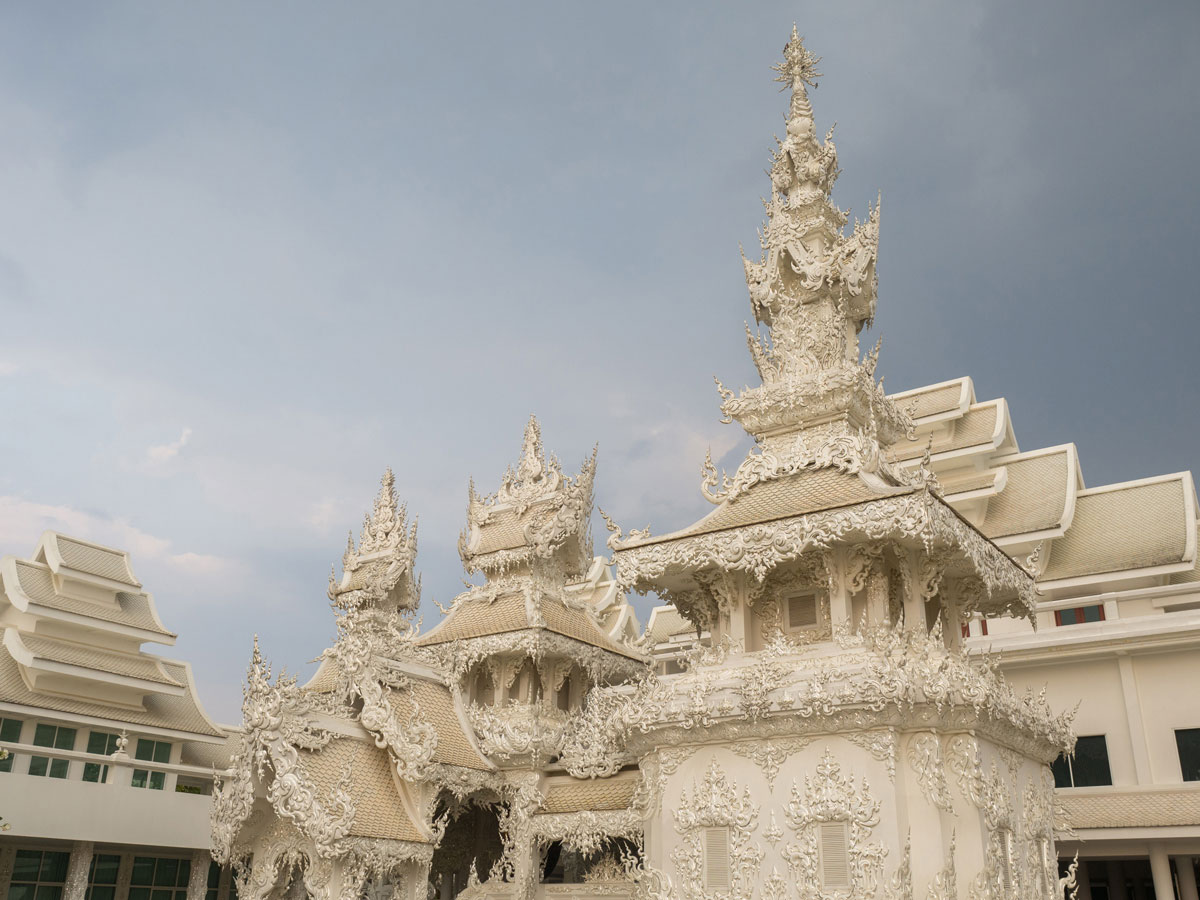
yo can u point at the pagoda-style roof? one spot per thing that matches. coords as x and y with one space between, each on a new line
27 583
538 516
522 608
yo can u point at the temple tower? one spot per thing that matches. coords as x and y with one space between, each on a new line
834 741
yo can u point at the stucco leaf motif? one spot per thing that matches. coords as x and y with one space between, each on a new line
715 802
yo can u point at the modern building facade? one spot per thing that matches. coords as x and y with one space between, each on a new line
1117 633
107 785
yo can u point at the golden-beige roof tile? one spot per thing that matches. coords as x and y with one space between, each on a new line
1034 497
1135 527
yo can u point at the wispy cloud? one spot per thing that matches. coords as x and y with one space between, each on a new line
159 454
23 521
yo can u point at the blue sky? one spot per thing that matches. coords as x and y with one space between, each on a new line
251 254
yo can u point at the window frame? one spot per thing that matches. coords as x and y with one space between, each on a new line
1069 761
149 778
42 888
1058 615
52 768
785 617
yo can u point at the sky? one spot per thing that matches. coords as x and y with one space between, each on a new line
251 254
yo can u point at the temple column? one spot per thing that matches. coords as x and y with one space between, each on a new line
1160 870
840 609
198 878
1185 872
80 862
914 601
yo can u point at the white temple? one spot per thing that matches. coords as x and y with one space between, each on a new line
827 737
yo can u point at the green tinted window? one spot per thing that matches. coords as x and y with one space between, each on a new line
101 743
38 875
159 878
152 751
58 737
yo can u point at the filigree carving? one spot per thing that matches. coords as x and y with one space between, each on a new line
880 744
830 796
925 756
715 802
770 754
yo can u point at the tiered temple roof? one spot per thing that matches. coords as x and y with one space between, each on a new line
74 618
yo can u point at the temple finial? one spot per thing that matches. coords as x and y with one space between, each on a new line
532 464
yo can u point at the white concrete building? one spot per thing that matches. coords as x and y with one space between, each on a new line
1118 632
107 785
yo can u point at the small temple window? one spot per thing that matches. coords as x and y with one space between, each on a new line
800 611
564 695
1087 767
1078 615
834 843
716 860
1007 861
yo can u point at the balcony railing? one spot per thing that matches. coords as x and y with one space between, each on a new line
120 764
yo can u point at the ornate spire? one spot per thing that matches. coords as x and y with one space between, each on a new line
380 569
814 290
536 511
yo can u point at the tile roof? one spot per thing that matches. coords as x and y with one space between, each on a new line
379 810
140 665
933 400
179 713
595 794
454 746
1131 809
478 618
133 610
1141 525
976 427
94 560
1036 496
796 495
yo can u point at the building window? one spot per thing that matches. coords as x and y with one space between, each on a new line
159 878
1078 615
38 875
10 730
103 744
152 751
834 842
1087 767
801 612
1188 742
716 860
58 737
102 876
564 695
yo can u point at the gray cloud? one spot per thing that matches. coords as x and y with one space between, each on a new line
326 241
